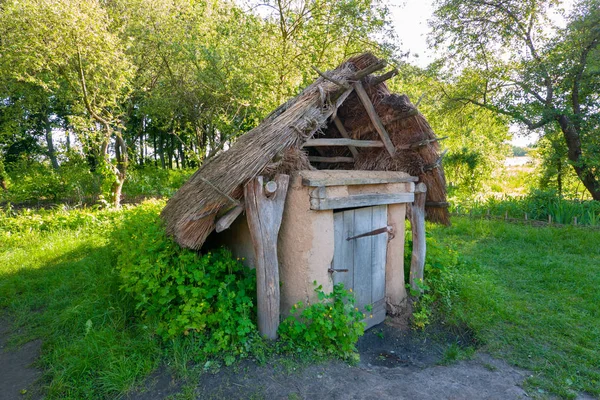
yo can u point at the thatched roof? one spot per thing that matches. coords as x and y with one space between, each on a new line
275 146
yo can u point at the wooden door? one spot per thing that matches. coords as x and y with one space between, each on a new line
363 257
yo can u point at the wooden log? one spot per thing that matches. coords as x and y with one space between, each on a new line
384 77
226 220
343 85
331 159
264 220
345 134
385 138
417 224
342 142
369 70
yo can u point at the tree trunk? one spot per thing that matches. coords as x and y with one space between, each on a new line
583 171
50 142
122 160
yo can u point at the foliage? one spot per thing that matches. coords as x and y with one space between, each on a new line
58 284
329 327
530 296
475 137
538 205
154 182
438 291
182 293
509 58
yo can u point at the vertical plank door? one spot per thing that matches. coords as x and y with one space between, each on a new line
363 257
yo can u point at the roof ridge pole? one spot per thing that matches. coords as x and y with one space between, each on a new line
264 211
385 138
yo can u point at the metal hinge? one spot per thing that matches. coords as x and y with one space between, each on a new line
386 229
331 270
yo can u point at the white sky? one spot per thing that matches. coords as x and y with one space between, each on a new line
409 18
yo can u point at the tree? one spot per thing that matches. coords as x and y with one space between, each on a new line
513 61
66 48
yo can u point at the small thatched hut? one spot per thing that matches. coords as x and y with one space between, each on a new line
347 120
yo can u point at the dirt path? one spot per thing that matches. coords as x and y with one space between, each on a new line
16 373
395 364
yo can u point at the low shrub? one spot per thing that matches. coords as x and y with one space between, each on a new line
439 287
330 327
179 292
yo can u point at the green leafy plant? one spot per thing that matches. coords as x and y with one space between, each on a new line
438 291
330 327
208 298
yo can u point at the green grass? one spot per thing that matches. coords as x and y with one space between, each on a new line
532 297
60 287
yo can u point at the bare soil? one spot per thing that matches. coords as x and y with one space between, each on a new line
395 363
17 375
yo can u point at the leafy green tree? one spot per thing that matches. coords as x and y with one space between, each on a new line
514 62
67 45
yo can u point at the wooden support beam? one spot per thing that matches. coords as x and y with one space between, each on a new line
342 142
264 213
331 159
340 127
226 220
358 200
417 225
333 178
385 138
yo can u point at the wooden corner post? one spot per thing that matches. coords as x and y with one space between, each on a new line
264 211
417 225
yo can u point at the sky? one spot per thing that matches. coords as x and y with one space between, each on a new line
409 18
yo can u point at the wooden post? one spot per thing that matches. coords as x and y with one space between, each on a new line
417 224
264 210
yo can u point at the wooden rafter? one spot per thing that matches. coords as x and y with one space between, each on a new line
385 138
344 134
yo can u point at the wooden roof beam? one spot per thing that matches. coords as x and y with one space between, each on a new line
340 127
342 142
385 138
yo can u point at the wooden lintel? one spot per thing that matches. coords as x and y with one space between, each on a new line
356 179
360 200
342 142
331 159
342 129
385 138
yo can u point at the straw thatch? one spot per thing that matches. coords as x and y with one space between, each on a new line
275 146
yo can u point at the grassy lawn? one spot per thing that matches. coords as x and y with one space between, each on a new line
532 295
61 287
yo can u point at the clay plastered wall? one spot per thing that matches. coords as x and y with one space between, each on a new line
305 248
